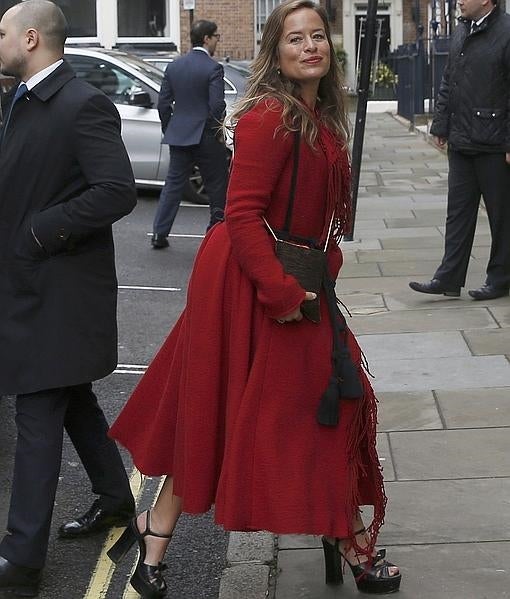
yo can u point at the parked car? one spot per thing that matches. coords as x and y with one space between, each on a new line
235 74
133 86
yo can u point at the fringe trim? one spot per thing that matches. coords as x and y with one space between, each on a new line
363 432
338 196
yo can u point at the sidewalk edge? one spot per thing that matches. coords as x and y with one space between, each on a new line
251 565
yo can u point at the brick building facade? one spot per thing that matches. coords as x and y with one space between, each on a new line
236 23
240 25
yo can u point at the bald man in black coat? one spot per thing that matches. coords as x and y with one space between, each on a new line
65 177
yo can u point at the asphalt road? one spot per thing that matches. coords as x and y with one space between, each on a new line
152 293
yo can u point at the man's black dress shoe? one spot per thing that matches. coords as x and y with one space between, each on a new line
488 292
19 581
159 242
95 520
435 287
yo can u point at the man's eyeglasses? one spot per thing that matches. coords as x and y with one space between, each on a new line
216 35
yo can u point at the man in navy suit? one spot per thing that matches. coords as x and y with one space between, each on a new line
192 108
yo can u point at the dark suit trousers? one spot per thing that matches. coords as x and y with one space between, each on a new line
41 418
210 155
472 176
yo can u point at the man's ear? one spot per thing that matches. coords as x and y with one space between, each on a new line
32 39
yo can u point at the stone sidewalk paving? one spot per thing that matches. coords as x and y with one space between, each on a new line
442 375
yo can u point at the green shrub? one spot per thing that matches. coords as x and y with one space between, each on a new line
341 54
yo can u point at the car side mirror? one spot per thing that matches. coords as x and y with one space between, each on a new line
141 99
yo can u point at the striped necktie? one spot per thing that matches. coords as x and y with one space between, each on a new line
20 92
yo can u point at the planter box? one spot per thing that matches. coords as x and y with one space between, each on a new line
352 102
383 92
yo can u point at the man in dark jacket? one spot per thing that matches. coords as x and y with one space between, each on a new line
473 115
65 178
192 107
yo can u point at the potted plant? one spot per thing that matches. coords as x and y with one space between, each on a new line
385 82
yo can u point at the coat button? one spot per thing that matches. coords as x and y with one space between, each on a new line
477 113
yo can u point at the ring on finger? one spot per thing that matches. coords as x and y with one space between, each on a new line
280 321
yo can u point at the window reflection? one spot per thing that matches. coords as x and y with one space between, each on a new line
142 18
6 4
81 17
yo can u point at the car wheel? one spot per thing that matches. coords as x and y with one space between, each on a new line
195 192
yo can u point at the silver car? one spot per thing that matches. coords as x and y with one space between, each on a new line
133 86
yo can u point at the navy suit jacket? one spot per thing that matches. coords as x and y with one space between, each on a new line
192 98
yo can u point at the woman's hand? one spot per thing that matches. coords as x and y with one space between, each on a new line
296 314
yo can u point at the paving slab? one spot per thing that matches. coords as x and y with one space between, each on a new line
447 511
357 244
416 242
465 571
491 342
391 287
400 255
451 454
352 269
403 232
440 373
400 346
416 268
362 224
383 449
423 220
364 300
500 310
427 319
405 299
414 410
475 408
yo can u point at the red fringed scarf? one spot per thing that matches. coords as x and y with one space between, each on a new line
338 195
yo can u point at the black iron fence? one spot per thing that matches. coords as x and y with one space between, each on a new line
419 73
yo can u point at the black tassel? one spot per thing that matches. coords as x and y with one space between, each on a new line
350 381
328 412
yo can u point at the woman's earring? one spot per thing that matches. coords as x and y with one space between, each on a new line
278 71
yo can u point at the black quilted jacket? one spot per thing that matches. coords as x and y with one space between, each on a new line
473 105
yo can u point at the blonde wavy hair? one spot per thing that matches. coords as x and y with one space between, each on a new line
267 83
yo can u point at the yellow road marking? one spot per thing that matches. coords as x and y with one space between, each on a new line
103 572
129 592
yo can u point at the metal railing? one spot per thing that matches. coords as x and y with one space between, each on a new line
419 74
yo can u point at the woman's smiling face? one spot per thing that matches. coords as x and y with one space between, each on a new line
304 51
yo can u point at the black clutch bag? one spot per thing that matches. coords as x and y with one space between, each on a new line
308 266
300 257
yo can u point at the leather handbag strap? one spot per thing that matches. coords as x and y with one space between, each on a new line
293 182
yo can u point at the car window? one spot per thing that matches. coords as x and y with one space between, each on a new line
113 81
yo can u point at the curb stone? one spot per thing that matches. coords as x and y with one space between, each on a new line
251 564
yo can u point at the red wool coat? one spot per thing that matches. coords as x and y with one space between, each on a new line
228 405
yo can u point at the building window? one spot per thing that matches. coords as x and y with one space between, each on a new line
81 17
264 9
142 18
6 4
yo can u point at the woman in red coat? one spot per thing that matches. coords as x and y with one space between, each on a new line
228 408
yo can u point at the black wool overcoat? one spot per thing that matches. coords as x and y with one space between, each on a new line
473 105
65 177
